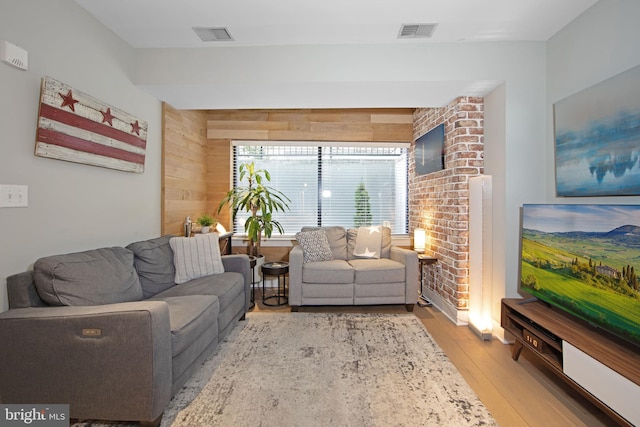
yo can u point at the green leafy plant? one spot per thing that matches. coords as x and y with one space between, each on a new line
258 199
207 220
363 215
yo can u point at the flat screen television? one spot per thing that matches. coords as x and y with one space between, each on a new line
585 259
430 151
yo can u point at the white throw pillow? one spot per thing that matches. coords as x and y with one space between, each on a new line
368 242
196 257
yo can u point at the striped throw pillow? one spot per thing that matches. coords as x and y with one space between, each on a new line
196 257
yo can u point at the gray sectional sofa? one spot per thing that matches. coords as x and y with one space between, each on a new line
344 278
110 333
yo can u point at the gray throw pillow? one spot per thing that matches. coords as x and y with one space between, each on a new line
315 246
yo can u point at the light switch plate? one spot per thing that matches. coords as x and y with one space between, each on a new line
14 196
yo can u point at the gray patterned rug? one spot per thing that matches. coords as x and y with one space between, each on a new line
321 369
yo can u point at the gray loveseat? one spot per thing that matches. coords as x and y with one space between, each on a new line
349 279
109 332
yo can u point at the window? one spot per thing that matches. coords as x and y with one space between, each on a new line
324 181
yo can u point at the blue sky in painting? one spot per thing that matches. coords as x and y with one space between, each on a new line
592 218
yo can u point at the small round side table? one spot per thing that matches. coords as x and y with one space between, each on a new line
279 269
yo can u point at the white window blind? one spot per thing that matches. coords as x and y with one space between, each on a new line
326 182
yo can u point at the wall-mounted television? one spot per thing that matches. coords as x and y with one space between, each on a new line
585 259
430 151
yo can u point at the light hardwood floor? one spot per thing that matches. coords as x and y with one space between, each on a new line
522 393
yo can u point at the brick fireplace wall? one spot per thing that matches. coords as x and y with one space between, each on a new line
439 201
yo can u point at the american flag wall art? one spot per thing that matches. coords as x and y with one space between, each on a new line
76 127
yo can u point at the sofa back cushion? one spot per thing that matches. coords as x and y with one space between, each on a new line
153 260
385 249
337 237
94 277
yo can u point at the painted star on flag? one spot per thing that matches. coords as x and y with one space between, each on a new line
68 101
135 128
107 117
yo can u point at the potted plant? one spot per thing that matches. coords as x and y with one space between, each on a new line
258 199
206 221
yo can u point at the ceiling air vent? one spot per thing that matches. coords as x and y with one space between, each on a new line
220 34
416 31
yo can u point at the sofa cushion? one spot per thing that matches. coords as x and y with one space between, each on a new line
385 246
368 242
153 260
334 271
189 317
195 257
381 270
226 286
337 237
315 246
94 277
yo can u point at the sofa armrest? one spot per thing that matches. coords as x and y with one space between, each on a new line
110 362
409 259
296 261
22 292
240 264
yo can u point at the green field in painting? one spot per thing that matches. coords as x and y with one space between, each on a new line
584 297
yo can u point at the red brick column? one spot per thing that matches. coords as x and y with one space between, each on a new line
439 201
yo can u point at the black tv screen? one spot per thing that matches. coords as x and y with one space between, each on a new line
430 151
585 259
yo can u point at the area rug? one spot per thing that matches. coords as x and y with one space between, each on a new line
325 369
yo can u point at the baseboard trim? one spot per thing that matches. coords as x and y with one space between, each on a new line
458 317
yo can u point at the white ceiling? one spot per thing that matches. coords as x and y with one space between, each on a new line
168 24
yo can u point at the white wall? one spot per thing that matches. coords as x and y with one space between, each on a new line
72 207
602 42
332 76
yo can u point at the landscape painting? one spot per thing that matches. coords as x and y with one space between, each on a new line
597 139
585 259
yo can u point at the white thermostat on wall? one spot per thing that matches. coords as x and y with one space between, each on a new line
14 55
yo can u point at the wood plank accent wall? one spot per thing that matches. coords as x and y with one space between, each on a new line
384 125
184 167
191 185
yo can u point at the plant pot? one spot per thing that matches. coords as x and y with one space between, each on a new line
257 271
204 229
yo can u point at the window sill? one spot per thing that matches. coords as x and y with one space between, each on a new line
402 240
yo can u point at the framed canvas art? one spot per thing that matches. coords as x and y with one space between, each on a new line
76 127
597 139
